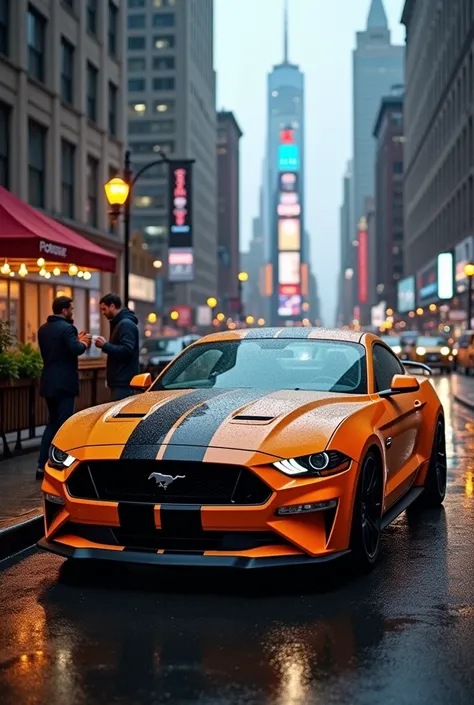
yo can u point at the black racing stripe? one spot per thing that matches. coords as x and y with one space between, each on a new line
146 439
199 427
181 521
135 517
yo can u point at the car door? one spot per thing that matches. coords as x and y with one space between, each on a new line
399 425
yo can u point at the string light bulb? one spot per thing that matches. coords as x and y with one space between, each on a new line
80 274
87 275
56 271
47 275
40 262
42 272
5 268
73 270
23 271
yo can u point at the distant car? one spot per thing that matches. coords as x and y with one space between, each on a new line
465 352
269 447
434 351
157 353
397 344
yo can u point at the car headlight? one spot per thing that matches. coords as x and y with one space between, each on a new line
445 350
420 351
58 459
397 349
314 465
455 351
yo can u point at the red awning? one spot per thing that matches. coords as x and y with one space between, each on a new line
25 233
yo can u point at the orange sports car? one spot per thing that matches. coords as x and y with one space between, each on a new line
252 448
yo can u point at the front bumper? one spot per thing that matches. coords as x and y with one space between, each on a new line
233 536
186 560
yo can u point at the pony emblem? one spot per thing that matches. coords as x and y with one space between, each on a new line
164 481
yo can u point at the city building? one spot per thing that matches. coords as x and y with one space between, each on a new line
62 130
228 171
388 260
171 112
347 252
439 151
377 66
284 191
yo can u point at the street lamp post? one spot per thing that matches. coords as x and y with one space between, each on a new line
469 272
242 277
119 194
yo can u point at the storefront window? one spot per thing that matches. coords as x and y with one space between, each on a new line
63 291
80 310
46 301
31 313
14 315
94 321
3 300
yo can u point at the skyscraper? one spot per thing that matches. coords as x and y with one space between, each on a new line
377 66
284 188
171 108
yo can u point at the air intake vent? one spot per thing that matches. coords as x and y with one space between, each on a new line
129 416
255 419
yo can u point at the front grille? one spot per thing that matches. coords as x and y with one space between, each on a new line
195 483
156 540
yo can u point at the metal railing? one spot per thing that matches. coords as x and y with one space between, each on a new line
23 410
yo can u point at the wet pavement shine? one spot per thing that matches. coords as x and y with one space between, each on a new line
402 635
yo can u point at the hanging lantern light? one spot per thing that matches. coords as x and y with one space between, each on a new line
12 274
42 272
5 268
80 274
23 271
73 270
47 275
56 271
87 275
40 262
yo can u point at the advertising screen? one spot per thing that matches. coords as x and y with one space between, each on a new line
288 182
289 305
289 268
180 205
289 234
446 276
406 295
288 157
180 264
427 284
464 255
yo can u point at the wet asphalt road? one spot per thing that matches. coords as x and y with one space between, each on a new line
403 635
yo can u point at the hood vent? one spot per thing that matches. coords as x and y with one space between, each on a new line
253 419
130 415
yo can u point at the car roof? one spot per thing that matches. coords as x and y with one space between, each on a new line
289 333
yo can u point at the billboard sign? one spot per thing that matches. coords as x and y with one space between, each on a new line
289 305
185 315
436 281
288 182
288 157
180 209
464 254
180 264
289 268
406 298
445 265
289 234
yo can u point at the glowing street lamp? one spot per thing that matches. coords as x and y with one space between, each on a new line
469 272
243 277
174 315
212 302
250 320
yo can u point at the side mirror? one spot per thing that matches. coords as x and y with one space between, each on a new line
142 382
401 384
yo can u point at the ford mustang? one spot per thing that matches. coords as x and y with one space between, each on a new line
252 448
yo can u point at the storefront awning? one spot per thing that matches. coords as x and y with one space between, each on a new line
27 234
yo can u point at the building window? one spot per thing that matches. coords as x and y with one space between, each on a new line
163 63
151 127
4 24
113 106
164 106
136 22
92 80
136 43
398 167
136 3
164 3
36 43
136 85
36 164
136 109
4 145
163 84
164 19
92 189
91 14
164 146
164 41
67 71
67 179
135 65
113 28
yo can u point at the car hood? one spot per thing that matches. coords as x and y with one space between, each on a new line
244 419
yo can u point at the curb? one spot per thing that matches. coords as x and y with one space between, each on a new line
20 536
464 401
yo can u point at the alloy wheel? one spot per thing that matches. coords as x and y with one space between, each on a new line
371 506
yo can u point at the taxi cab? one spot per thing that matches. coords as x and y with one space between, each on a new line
433 351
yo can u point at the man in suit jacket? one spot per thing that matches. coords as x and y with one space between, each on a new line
60 347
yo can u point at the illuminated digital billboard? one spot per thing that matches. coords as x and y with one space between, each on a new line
288 182
180 223
289 305
288 157
289 268
289 234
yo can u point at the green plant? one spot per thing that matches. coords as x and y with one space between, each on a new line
9 367
30 362
7 339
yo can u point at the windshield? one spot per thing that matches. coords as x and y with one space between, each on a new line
162 346
430 342
274 364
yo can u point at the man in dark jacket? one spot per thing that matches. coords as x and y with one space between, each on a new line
122 350
60 347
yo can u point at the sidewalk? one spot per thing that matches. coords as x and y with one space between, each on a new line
21 521
463 390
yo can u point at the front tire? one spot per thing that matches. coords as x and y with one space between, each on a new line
367 516
436 478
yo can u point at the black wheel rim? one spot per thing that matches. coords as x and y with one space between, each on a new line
371 506
441 463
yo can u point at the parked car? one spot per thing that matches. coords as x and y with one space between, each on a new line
434 351
157 353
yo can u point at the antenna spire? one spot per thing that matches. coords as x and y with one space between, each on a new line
285 40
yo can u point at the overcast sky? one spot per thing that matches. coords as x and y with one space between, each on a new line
249 41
